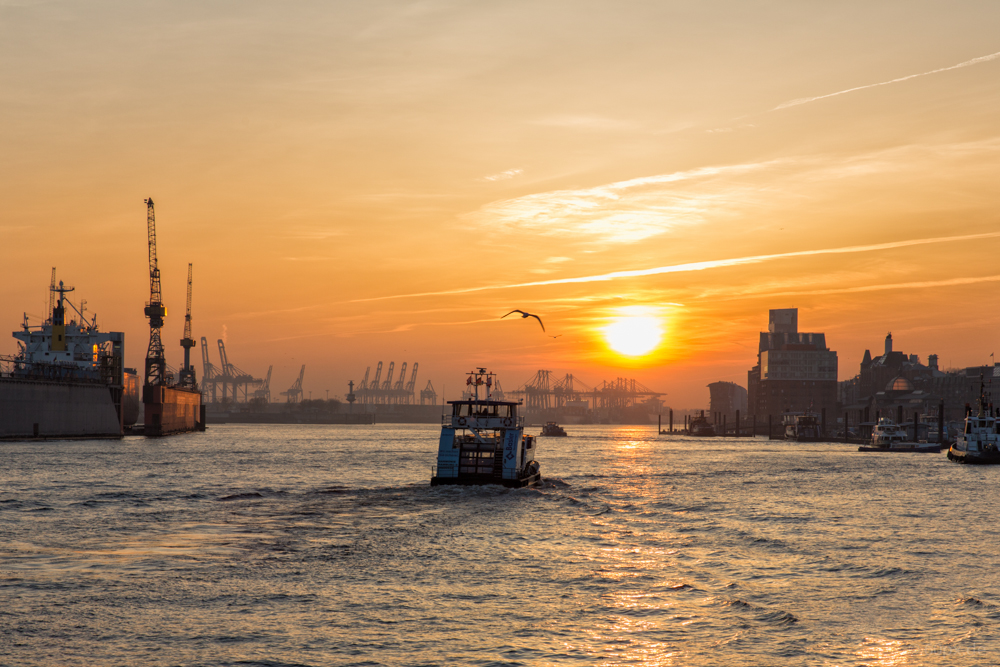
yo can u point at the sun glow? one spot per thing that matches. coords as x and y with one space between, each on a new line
633 335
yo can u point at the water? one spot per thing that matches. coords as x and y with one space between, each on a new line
324 545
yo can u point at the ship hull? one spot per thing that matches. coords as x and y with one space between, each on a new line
169 410
57 410
479 480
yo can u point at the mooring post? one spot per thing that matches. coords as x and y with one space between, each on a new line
671 421
659 424
941 423
823 423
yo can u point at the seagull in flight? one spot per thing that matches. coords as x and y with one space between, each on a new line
524 315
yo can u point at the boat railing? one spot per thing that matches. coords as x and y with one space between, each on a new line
482 421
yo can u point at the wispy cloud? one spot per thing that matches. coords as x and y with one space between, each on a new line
504 175
699 266
621 212
919 284
967 63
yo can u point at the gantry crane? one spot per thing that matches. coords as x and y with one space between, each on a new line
294 392
156 362
187 377
263 394
209 373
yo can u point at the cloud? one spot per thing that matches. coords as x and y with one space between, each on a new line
504 175
621 212
699 266
967 63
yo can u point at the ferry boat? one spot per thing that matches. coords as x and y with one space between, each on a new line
483 441
553 430
980 441
888 436
803 427
701 427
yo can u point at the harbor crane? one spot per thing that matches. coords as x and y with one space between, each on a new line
52 292
156 362
187 377
263 393
209 372
294 392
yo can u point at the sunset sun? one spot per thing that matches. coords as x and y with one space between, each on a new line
633 335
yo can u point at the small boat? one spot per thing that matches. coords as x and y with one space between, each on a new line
483 441
552 429
888 436
980 441
701 427
803 427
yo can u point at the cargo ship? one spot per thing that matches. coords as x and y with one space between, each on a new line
68 379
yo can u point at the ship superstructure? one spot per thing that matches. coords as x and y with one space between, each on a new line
483 442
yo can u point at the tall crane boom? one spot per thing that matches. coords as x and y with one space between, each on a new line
187 376
52 292
156 363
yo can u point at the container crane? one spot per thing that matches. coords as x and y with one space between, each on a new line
209 373
156 363
187 377
294 392
263 394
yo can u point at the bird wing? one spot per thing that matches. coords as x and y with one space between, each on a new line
537 318
514 311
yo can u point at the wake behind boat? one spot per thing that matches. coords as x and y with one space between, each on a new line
483 441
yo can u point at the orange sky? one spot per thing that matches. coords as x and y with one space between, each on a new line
313 158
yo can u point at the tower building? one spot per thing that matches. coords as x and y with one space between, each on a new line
795 372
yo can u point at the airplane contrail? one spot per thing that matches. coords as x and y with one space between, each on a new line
695 266
967 63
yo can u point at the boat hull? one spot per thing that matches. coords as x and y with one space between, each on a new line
910 448
481 480
979 458
42 409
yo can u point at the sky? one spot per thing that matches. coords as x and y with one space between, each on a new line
369 181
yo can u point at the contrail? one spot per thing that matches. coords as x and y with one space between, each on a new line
695 266
967 63
951 282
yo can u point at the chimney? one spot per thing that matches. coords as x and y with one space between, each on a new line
888 343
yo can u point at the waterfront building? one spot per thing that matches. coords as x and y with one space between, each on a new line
795 371
725 399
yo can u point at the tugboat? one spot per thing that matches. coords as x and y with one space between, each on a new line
980 442
483 441
553 430
887 436
701 427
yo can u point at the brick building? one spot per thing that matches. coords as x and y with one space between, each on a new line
795 372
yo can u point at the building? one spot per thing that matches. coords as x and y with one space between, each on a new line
895 383
725 398
795 372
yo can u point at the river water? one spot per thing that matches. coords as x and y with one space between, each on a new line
325 545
